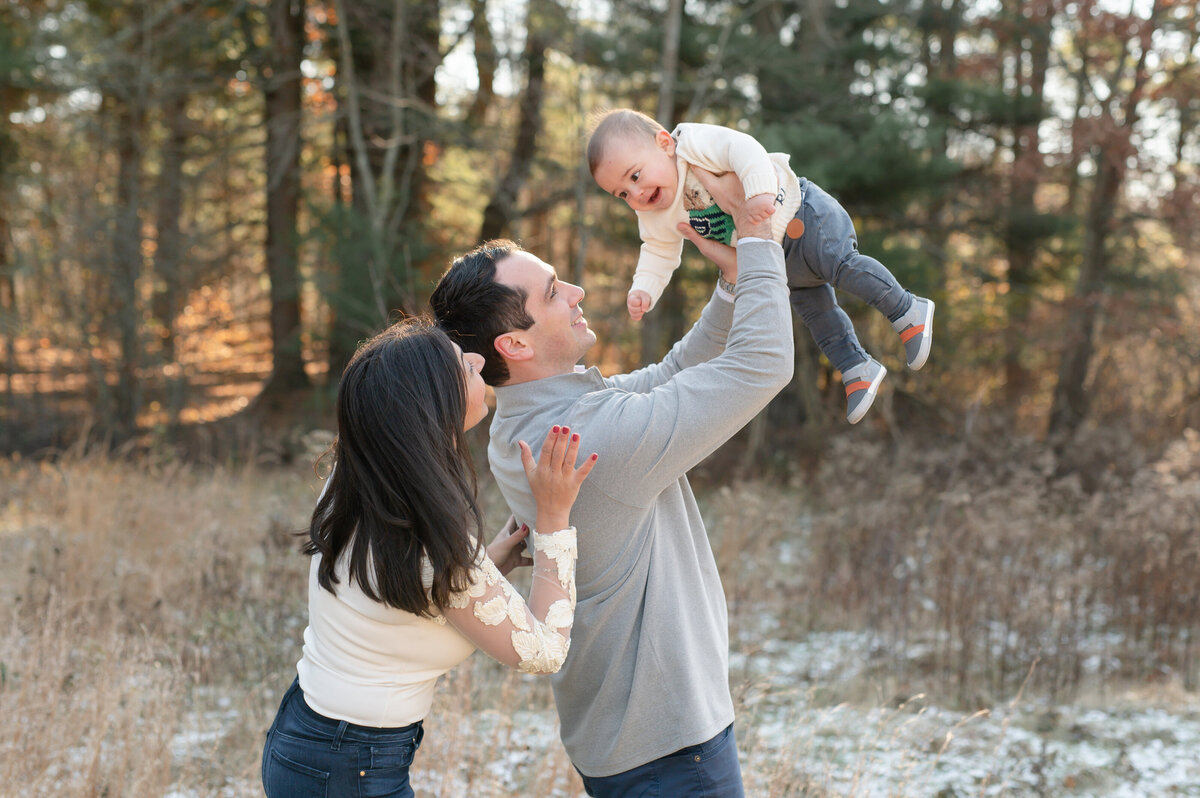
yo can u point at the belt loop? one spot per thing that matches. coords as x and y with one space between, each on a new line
337 735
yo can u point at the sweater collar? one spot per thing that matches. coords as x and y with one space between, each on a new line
526 396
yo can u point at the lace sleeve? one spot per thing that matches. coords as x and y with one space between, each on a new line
532 637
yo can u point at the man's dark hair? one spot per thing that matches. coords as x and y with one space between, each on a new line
474 309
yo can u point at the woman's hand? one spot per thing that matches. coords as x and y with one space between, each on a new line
506 549
554 479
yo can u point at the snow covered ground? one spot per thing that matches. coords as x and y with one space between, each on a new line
1127 746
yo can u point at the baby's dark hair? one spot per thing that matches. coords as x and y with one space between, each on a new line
612 125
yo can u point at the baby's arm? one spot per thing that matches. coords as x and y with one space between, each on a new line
721 149
659 256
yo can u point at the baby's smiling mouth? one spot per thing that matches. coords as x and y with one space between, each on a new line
654 197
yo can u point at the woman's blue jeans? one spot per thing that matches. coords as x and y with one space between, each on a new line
826 257
308 755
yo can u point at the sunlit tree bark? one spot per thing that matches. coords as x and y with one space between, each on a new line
12 41
485 62
283 115
502 207
128 118
168 252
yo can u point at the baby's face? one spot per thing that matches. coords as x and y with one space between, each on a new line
641 171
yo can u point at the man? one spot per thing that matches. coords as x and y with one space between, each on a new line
643 698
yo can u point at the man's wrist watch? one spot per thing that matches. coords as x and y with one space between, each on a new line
725 284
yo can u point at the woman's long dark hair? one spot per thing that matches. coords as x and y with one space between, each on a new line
403 485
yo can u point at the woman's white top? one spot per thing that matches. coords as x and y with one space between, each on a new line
374 665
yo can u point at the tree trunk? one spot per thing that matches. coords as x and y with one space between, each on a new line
943 26
283 117
1119 118
1023 234
670 63
127 255
485 62
9 325
664 325
168 252
1070 395
500 211
8 330
169 249
388 57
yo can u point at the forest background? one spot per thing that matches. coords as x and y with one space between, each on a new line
206 204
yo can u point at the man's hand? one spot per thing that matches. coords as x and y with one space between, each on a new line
727 190
723 255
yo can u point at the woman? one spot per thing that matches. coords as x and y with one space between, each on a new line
400 588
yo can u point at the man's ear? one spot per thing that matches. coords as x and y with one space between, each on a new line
513 346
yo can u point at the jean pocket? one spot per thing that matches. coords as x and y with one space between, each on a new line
388 775
393 755
285 778
709 748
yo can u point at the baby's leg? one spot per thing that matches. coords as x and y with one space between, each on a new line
831 328
831 249
834 333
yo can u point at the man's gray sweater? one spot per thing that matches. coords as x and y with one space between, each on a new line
648 670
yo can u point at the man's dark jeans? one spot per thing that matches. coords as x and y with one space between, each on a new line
707 770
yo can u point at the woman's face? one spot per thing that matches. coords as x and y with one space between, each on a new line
477 408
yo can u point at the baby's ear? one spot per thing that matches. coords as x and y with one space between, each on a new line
663 139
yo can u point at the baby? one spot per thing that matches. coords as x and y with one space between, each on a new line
635 159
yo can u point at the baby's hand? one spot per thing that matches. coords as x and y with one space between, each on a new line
638 303
760 207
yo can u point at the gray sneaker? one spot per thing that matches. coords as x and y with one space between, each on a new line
862 383
916 331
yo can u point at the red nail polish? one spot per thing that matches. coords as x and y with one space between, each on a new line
554 428
575 437
595 456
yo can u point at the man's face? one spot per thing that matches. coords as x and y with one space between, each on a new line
559 336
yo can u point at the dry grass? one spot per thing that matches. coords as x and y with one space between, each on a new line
150 616
134 596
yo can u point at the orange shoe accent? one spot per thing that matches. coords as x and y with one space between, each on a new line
912 332
794 229
857 385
